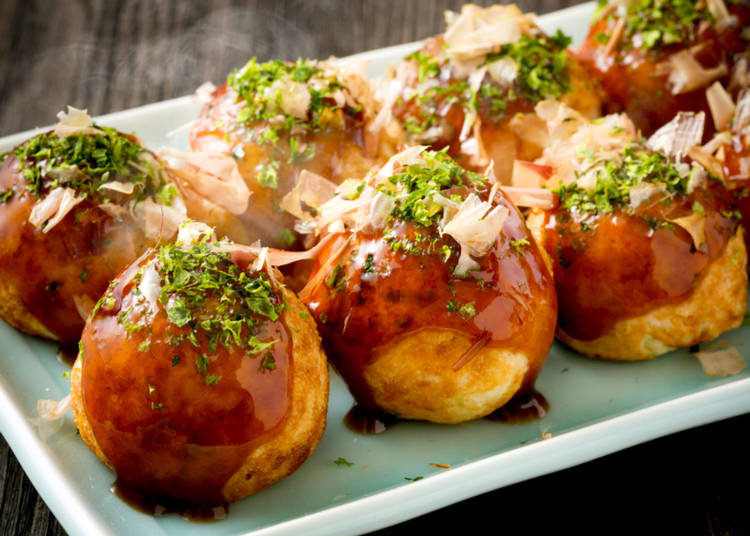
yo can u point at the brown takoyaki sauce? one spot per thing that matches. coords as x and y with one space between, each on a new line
180 390
57 276
613 262
366 421
635 71
158 506
385 285
523 407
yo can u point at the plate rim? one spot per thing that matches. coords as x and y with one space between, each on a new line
385 508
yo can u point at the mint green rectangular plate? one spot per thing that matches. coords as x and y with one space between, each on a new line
595 408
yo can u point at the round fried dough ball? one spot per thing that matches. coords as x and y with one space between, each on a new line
76 208
716 304
475 91
647 254
438 306
278 119
200 380
656 58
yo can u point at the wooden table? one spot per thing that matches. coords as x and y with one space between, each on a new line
108 56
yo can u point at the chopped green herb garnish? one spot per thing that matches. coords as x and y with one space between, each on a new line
166 194
369 267
415 186
268 363
4 196
191 277
736 214
615 179
300 153
542 65
268 175
343 462
286 237
211 379
520 245
262 86
202 363
468 310
659 23
337 280
86 161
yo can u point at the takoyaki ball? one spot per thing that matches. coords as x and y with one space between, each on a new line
277 119
432 300
78 203
200 380
474 88
648 252
655 58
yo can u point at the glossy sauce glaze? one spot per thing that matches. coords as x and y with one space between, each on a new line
176 421
346 149
499 137
75 261
376 295
614 266
636 80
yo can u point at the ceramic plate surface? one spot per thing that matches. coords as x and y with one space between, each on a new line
595 408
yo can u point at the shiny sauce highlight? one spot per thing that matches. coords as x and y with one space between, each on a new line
173 439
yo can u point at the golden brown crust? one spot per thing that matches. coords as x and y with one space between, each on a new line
300 433
17 315
413 377
716 305
79 412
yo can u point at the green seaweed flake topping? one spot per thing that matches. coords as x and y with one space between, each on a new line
203 289
542 73
86 161
542 65
661 23
417 183
428 65
261 86
616 178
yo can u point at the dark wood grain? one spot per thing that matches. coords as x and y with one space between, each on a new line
108 56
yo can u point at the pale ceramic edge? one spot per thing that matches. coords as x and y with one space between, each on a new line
559 452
